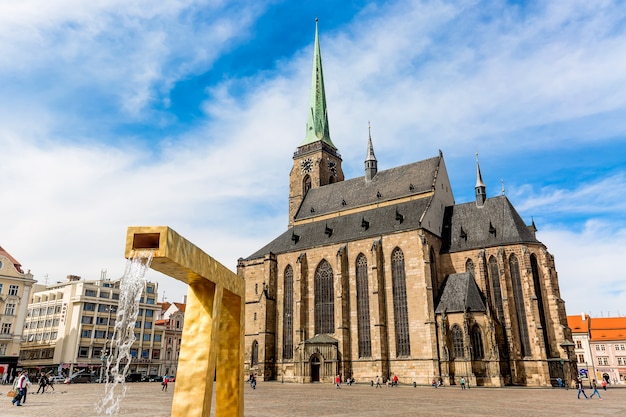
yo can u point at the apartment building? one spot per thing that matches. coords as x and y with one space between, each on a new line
69 327
15 289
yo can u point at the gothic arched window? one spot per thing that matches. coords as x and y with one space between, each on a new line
457 342
363 307
324 299
433 274
495 287
254 356
518 296
469 267
400 307
306 184
539 294
478 351
288 313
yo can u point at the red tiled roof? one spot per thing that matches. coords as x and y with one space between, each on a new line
14 261
577 324
608 328
181 307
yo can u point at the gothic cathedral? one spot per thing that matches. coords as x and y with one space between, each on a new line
386 275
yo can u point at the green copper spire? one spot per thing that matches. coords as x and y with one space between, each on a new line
317 122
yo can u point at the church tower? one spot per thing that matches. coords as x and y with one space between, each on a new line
316 161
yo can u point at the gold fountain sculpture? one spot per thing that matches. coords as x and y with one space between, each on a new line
213 334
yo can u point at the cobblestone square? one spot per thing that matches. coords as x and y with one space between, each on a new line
275 399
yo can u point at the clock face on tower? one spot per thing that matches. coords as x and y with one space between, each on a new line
306 165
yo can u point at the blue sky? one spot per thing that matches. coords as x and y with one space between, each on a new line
187 113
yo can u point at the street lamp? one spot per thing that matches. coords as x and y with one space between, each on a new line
566 345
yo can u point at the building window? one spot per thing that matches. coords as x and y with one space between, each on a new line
603 361
157 337
603 348
50 310
9 309
324 299
363 308
1 289
288 313
150 289
620 347
494 273
156 354
83 352
146 337
478 351
254 357
457 342
138 324
400 307
86 333
89 307
3 348
14 289
87 320
469 267
621 361
90 293
306 185
145 354
579 344
149 313
539 294
147 325
518 296
6 328
581 358
100 334
104 294
133 353
150 300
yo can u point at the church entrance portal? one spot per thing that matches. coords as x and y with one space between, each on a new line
315 368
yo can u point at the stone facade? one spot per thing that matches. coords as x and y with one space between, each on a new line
385 274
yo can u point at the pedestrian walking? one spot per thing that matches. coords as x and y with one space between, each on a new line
20 386
395 380
594 385
338 381
604 384
462 382
43 381
581 388
164 383
377 381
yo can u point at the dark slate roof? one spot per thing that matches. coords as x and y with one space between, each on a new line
459 294
467 226
405 180
383 220
321 339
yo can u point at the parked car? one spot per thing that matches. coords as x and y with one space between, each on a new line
155 378
83 378
57 379
171 378
133 378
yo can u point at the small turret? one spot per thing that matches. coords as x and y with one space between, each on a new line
481 189
371 164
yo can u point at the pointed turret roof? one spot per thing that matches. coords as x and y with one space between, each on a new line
317 122
370 149
479 177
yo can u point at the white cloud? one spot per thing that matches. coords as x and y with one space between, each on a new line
428 75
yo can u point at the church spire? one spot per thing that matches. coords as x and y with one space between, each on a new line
371 164
481 189
317 122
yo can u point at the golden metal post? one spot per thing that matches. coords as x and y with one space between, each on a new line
213 335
